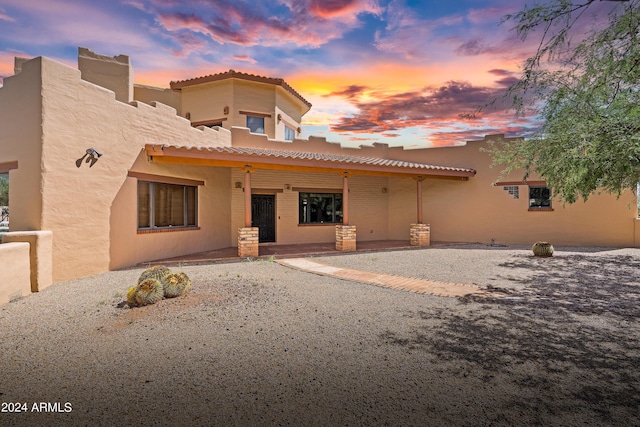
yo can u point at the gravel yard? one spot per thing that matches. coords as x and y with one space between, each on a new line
256 343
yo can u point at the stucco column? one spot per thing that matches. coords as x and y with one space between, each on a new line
419 233
419 191
345 233
345 199
247 198
248 240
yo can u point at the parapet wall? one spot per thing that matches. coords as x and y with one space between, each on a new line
15 280
112 72
40 256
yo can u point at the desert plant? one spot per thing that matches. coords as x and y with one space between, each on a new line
176 284
149 291
542 249
158 272
131 297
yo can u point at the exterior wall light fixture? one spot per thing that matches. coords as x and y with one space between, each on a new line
91 156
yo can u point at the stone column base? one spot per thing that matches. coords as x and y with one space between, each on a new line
345 237
420 235
248 242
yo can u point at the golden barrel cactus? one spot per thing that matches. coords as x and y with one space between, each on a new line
131 297
542 249
149 291
176 284
158 272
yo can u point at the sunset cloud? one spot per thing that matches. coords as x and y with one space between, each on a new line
244 58
308 23
395 111
394 71
7 18
458 107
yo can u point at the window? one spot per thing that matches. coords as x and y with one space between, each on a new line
289 134
255 124
166 205
320 208
539 198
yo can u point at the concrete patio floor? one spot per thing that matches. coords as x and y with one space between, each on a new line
284 251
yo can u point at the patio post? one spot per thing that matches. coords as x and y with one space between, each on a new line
345 233
419 233
345 198
247 198
419 191
248 238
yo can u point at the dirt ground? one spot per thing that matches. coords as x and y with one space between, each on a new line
255 343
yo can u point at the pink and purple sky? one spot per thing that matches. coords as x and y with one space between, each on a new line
399 72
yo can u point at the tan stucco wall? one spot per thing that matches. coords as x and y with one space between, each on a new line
475 210
112 72
367 204
77 203
207 102
20 140
40 255
15 280
214 218
149 94
289 105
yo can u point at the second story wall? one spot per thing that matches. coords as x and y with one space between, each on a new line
255 99
209 102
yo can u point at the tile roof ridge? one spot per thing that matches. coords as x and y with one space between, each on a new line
322 156
231 73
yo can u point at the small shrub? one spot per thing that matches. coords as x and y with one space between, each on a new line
542 249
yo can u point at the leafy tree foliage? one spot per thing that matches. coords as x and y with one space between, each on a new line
4 190
588 94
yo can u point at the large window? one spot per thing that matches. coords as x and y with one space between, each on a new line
255 124
539 198
166 205
320 208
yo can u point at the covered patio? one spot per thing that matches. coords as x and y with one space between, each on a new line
250 160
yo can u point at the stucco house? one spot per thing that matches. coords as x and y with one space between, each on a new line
120 174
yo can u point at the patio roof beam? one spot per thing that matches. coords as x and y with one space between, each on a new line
207 158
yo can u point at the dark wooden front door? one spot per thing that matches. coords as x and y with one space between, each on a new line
263 216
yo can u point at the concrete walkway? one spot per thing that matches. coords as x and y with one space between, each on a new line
420 286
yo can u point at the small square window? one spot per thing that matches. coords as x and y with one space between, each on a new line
539 197
255 124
